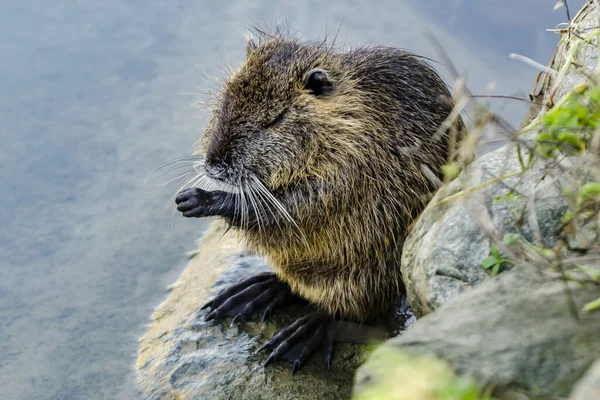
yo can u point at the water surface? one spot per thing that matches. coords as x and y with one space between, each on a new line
92 99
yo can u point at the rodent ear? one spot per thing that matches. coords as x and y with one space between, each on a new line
318 82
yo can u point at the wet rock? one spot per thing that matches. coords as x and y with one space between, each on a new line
589 386
443 254
514 332
183 357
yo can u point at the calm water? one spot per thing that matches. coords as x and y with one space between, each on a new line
94 96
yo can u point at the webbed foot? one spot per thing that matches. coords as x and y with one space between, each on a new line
298 342
241 300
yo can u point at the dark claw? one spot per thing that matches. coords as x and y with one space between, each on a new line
210 316
195 213
254 291
301 339
189 199
329 345
266 313
242 299
188 204
278 352
295 367
275 303
238 287
314 342
239 318
186 194
287 344
279 337
245 314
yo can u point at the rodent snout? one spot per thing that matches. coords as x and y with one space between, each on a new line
216 168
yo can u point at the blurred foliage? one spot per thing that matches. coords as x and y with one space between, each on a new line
495 261
402 377
567 139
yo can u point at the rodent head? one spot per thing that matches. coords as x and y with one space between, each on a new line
271 112
300 111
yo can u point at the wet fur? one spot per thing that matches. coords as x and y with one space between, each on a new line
347 167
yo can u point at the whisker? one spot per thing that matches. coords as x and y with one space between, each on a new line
275 202
179 188
280 207
275 206
271 209
236 204
179 160
175 167
169 203
245 216
172 165
176 178
248 188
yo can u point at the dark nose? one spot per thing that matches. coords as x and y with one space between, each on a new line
214 170
214 156
215 166
216 152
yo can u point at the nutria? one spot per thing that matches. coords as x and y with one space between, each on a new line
320 159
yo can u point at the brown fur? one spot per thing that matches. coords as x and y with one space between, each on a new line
347 166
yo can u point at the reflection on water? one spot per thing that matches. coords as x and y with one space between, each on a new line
91 103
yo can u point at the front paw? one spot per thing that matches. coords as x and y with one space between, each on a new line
242 299
197 203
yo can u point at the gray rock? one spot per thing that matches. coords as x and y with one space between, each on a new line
183 357
514 331
589 386
443 254
517 332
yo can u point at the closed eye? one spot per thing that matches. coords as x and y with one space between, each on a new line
277 120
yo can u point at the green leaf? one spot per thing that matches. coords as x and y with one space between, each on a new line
495 270
547 253
489 262
593 119
592 305
582 112
564 118
495 253
593 273
570 138
546 151
511 238
548 118
590 189
572 122
567 217
594 95
545 136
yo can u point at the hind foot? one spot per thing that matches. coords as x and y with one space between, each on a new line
262 291
298 342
